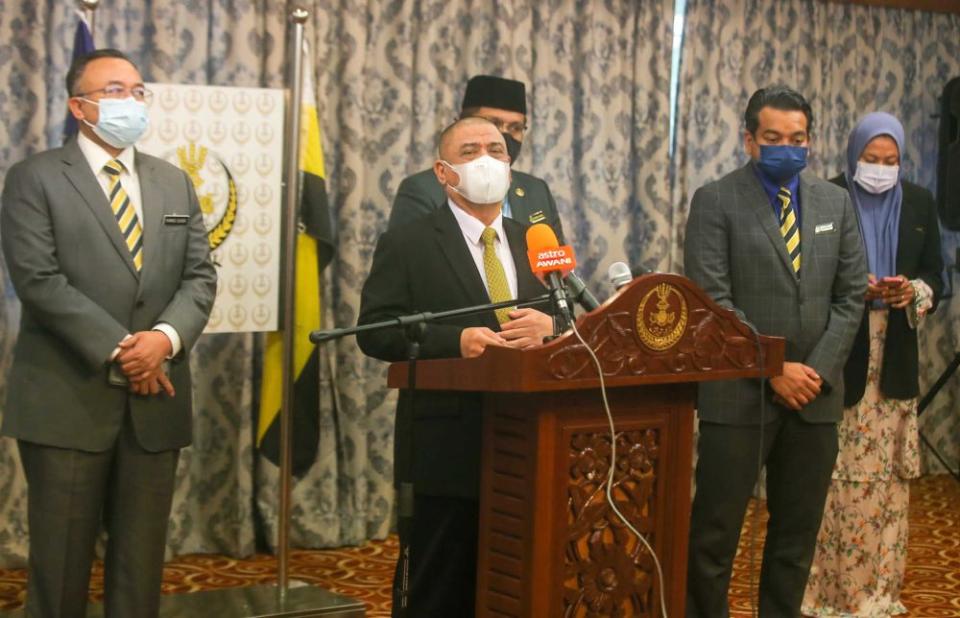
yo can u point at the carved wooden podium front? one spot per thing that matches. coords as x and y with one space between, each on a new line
549 544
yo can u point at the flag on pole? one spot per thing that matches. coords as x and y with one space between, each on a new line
82 45
315 249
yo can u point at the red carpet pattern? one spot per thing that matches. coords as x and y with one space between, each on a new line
932 588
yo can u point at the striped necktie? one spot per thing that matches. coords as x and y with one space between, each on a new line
789 228
497 284
125 213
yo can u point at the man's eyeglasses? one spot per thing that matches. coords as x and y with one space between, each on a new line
513 128
139 93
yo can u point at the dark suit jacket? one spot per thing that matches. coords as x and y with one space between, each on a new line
530 200
918 257
734 251
428 267
81 295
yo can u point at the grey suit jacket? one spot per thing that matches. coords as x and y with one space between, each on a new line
421 194
81 295
734 251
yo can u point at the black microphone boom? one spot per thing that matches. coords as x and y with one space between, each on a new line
579 292
563 313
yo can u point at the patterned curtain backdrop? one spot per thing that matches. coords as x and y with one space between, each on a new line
390 75
847 60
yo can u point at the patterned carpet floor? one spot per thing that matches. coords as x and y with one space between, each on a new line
932 587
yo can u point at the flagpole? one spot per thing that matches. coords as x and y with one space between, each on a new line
89 8
298 17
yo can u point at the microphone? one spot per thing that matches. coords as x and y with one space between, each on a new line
619 274
550 263
578 289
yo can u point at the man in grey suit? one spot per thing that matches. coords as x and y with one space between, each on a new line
504 103
783 250
107 251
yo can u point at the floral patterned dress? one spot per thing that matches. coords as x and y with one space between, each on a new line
861 549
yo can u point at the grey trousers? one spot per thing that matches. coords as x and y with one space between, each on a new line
69 494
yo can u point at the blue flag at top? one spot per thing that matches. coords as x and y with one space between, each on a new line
82 45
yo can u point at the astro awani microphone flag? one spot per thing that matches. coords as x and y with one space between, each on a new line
315 249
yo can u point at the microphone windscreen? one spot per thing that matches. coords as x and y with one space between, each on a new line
541 236
545 253
619 274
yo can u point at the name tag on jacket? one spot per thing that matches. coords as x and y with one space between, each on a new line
823 228
176 219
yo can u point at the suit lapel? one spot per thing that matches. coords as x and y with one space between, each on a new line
454 248
808 224
519 210
907 247
520 206
151 199
79 174
757 201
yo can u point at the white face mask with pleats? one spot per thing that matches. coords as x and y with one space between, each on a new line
484 180
876 178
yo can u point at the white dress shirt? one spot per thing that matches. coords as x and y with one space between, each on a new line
97 157
472 228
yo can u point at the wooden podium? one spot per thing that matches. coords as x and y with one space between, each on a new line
549 544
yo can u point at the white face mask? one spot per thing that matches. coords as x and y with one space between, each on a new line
122 121
876 178
484 180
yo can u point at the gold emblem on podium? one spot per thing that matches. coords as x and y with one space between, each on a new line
662 317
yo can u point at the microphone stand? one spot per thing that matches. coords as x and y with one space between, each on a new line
925 402
401 589
415 327
321 336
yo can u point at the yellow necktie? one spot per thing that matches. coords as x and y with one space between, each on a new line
497 284
125 213
789 228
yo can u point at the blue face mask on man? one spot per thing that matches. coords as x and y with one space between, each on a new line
781 163
122 121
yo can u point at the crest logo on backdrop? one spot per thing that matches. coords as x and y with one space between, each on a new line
229 141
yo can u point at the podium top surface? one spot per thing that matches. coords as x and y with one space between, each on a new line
658 329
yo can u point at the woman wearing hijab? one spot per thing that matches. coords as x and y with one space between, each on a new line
861 550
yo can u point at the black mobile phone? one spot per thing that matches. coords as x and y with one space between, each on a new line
116 377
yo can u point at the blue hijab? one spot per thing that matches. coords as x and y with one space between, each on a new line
879 215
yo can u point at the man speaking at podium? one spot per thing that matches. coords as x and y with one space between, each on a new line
462 255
